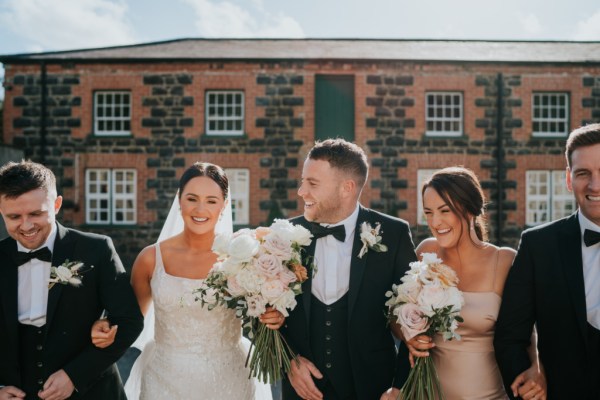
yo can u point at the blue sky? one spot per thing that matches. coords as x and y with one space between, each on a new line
47 25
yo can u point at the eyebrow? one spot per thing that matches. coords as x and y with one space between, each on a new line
195 195
442 206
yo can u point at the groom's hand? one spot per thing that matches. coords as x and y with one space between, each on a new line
58 387
300 376
11 392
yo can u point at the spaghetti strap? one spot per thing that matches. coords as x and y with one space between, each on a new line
495 270
159 266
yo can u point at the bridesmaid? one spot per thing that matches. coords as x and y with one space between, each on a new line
453 203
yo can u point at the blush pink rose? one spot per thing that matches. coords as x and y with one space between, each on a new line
411 320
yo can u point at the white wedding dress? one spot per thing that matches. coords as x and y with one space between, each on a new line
196 353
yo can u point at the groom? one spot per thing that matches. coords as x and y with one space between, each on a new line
338 329
554 283
45 346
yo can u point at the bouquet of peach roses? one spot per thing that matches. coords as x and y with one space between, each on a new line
426 302
257 268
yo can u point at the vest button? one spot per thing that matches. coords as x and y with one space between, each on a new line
40 382
328 365
39 347
327 337
328 323
328 352
39 364
328 309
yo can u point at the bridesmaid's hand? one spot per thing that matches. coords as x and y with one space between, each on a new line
391 394
419 347
530 384
103 335
272 318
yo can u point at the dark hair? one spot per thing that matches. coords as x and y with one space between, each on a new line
584 136
461 191
208 170
22 177
344 156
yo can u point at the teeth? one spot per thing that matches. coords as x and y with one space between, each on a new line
443 230
594 198
29 234
307 204
199 219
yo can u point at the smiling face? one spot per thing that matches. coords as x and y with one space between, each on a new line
445 225
201 204
583 179
323 192
29 218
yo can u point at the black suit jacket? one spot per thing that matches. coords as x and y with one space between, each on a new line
70 314
545 286
376 365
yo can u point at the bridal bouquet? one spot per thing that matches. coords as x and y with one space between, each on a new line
426 302
257 268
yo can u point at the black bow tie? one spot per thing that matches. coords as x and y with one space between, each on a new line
320 231
43 254
591 237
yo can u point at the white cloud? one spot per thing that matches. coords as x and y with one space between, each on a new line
588 29
225 19
68 24
530 24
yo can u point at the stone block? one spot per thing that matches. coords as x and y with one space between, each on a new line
293 101
153 80
373 80
20 101
60 90
151 122
404 80
374 101
184 79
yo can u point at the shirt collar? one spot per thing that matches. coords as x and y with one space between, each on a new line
349 223
585 223
49 242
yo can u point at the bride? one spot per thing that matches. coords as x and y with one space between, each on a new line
195 353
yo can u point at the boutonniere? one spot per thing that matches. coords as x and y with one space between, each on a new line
68 273
371 239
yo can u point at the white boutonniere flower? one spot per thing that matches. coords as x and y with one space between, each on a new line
371 239
68 273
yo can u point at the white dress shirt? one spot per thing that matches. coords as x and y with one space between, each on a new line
33 285
591 272
332 260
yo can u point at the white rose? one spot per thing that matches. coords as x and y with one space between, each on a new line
242 248
251 281
278 246
285 302
455 298
63 274
257 305
268 264
229 266
272 290
408 291
221 244
301 235
431 298
430 258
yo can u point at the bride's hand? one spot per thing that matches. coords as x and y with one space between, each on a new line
419 347
103 335
272 318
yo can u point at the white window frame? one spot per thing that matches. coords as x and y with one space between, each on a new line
440 111
107 189
239 194
212 112
112 113
422 176
547 197
549 114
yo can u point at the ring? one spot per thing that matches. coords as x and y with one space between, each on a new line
421 341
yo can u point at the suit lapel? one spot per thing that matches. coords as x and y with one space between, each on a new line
572 264
9 292
357 265
309 258
61 252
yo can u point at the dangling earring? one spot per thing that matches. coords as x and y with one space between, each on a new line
472 224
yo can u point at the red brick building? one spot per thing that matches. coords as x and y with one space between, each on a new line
119 125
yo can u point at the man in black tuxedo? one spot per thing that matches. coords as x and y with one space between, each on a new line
555 283
45 345
339 329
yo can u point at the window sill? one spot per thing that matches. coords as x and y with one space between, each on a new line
108 226
224 136
431 136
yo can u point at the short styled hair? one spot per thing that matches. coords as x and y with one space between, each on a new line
18 178
587 135
342 155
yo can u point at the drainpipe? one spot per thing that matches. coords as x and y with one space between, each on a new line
499 159
44 108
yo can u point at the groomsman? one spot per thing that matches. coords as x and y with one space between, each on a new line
554 283
338 329
45 345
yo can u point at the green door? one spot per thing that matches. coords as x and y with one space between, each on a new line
334 107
